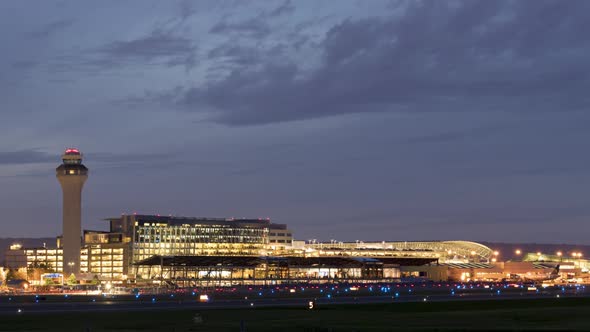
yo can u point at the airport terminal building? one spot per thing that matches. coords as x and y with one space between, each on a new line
138 248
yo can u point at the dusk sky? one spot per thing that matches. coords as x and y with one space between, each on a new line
347 120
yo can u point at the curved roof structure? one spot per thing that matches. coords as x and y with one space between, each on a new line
446 250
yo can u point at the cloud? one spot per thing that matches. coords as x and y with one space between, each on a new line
158 46
236 54
458 135
163 46
186 9
24 64
52 28
150 97
25 157
470 55
254 27
283 9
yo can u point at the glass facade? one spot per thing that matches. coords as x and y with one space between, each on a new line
197 239
50 258
107 263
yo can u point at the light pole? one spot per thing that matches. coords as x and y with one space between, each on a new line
71 267
496 254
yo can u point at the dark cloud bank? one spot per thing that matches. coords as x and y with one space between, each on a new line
436 56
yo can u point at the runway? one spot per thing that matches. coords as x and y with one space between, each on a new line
147 304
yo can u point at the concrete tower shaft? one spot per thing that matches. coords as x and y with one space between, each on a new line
72 175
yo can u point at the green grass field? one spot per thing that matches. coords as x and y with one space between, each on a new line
507 315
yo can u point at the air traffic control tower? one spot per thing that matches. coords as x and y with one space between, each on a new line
71 174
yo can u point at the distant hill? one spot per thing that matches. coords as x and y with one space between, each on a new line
5 244
507 250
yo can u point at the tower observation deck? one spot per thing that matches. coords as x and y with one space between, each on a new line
72 174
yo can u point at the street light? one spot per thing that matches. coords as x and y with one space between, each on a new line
518 252
496 253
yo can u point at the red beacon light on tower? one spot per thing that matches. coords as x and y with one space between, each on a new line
72 151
